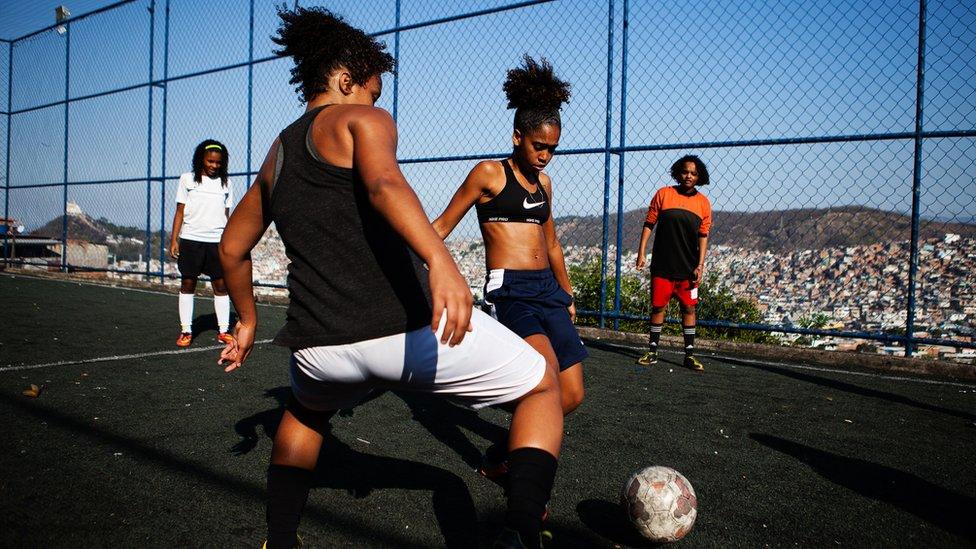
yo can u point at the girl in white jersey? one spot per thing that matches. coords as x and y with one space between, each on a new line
203 203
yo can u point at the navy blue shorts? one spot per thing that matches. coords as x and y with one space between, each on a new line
532 302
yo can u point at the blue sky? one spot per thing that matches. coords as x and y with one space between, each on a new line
697 72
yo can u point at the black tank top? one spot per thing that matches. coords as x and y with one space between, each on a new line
351 277
515 204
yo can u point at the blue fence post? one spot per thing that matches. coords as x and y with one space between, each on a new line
620 167
606 168
250 84
149 125
6 195
64 213
396 62
162 178
916 182
162 158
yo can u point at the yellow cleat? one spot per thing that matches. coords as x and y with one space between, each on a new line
298 543
694 363
648 358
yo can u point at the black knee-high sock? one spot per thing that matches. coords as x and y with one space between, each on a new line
655 336
497 452
287 492
689 332
531 473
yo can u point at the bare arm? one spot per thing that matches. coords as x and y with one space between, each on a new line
702 249
374 156
649 221
557 262
244 229
174 241
642 247
472 189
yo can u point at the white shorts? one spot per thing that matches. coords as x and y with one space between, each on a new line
490 366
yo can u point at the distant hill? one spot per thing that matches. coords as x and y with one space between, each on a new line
80 227
777 230
83 227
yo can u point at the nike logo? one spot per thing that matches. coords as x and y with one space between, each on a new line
529 205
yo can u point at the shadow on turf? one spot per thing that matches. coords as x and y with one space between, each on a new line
611 348
848 387
663 358
341 467
948 510
217 480
444 421
609 521
208 323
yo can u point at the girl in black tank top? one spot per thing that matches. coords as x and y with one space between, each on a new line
536 304
349 220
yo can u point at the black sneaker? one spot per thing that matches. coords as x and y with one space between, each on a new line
694 363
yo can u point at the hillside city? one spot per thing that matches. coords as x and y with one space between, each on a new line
857 288
853 288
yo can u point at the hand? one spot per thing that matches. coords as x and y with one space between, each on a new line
641 261
698 274
174 249
449 291
237 351
572 312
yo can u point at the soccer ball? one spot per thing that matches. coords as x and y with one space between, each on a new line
661 503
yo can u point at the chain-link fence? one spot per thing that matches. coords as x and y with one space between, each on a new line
839 136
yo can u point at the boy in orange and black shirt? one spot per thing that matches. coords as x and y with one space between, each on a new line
683 217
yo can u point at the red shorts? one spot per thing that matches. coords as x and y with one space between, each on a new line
663 289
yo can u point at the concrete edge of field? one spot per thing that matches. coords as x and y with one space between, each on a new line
835 359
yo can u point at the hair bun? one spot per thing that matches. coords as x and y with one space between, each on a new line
535 86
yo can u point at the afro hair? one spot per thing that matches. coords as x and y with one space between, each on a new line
320 42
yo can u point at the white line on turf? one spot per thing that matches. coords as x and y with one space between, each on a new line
117 287
118 357
813 368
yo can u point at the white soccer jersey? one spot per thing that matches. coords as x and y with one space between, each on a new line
205 203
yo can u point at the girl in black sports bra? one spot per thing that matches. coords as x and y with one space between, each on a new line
527 286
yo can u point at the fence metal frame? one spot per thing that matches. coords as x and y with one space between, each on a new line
608 150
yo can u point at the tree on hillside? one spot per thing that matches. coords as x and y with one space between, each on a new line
716 302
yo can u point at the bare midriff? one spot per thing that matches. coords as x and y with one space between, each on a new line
520 246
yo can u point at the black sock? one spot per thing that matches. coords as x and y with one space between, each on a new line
287 491
497 452
655 336
531 474
689 332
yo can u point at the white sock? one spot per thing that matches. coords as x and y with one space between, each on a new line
186 313
222 308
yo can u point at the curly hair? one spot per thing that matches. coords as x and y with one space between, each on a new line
210 145
699 167
320 41
536 94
